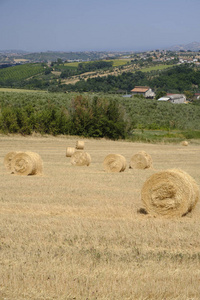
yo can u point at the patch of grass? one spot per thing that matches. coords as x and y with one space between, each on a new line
166 136
156 68
73 65
20 72
20 90
191 134
119 62
157 136
116 63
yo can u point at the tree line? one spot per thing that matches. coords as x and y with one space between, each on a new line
175 80
92 115
85 117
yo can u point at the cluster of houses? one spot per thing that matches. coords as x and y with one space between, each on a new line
148 93
174 98
189 60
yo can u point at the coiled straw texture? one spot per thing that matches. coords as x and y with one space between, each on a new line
70 151
80 158
184 143
80 145
114 163
141 160
8 158
170 193
27 163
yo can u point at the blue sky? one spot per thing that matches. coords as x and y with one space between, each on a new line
103 25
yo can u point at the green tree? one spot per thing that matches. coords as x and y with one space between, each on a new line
189 95
160 94
59 61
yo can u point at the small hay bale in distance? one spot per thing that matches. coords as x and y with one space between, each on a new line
80 158
27 163
8 158
184 143
170 193
70 151
80 145
114 163
140 160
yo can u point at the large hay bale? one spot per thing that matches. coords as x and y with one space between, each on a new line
27 163
170 193
70 151
140 160
184 143
114 163
80 145
80 158
8 158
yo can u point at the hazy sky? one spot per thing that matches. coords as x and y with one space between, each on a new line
104 25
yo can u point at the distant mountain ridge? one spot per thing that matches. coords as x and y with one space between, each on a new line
13 51
47 56
194 46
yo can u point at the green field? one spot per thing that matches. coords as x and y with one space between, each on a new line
20 72
20 90
156 68
73 65
119 62
116 63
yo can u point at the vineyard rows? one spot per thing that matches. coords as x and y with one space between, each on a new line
20 72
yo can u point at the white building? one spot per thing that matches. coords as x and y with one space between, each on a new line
174 98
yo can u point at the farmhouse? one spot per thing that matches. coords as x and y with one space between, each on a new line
197 95
144 91
174 98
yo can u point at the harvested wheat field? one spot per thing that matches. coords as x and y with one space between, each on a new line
82 233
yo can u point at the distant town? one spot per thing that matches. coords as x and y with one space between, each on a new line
14 58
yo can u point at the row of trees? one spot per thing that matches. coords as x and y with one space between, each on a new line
94 65
91 116
176 79
86 117
85 67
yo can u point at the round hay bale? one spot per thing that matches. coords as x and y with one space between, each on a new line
184 143
27 163
80 158
114 163
170 193
8 158
140 160
80 145
70 151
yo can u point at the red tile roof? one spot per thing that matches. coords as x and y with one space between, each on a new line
140 89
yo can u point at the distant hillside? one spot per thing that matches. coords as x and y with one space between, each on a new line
13 51
49 56
53 56
14 75
194 46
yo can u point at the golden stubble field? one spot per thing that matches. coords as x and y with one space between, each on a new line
77 233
